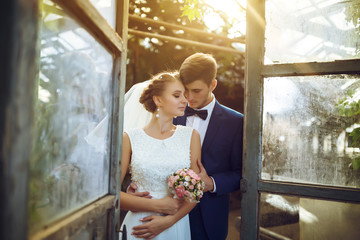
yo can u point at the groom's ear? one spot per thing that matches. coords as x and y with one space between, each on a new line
213 84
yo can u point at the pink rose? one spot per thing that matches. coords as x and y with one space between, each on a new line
187 193
191 187
171 181
180 191
193 181
187 178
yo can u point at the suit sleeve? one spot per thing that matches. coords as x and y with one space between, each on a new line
229 181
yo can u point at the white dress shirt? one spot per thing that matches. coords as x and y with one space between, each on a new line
201 125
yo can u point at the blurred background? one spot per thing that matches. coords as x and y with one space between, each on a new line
219 24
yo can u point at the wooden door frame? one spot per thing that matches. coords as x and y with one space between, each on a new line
20 66
255 72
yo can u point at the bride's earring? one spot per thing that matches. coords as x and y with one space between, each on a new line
157 114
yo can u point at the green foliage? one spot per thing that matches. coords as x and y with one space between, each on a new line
356 163
352 13
148 56
350 107
355 134
191 9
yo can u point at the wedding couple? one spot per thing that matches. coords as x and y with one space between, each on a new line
187 128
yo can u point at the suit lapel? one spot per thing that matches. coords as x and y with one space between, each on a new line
213 126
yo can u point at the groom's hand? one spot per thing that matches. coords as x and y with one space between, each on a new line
133 188
152 226
209 184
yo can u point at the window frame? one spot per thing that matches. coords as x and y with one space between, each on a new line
255 73
16 114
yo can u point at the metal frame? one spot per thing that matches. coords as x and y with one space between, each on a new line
88 16
311 191
193 31
255 73
312 68
255 25
73 224
120 76
185 41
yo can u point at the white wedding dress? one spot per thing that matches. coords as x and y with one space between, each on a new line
152 161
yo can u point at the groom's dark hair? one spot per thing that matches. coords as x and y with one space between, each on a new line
199 66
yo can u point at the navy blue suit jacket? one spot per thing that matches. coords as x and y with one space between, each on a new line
221 155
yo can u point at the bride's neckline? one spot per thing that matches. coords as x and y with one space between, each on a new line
176 128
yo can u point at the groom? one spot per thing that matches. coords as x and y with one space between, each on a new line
221 132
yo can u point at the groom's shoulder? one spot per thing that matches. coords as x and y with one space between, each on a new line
230 113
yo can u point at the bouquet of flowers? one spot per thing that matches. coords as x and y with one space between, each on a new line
186 184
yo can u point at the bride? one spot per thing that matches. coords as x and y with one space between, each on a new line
151 153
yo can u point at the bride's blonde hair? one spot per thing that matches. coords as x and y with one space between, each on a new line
156 88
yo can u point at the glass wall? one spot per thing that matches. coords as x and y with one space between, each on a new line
307 125
69 165
297 218
107 9
311 30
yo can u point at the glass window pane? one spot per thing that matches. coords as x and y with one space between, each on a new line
311 30
69 164
107 9
306 126
311 219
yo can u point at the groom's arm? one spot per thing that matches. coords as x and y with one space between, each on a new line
229 181
132 189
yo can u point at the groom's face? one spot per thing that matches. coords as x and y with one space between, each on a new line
199 94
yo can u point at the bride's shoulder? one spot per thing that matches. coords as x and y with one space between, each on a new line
133 131
185 130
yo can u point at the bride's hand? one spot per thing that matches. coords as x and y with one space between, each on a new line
169 205
151 227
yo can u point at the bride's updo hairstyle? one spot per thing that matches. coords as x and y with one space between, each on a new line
156 88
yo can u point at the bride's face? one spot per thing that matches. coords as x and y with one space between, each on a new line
173 101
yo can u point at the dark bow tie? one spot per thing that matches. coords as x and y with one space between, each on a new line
201 113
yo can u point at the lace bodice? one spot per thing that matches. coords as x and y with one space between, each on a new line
153 160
